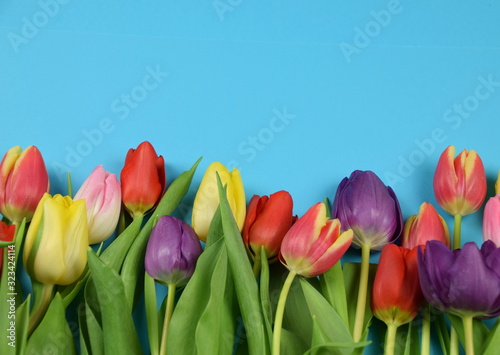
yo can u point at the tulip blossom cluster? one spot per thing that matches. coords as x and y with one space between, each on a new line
210 279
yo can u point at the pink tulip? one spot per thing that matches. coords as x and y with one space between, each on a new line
23 181
314 244
491 220
102 194
424 226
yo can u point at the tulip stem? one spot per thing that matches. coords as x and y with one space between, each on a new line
40 305
469 335
457 231
426 330
390 339
362 293
168 316
257 264
280 310
454 345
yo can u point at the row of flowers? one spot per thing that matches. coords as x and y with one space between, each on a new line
235 246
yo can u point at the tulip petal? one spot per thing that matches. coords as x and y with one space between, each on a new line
388 279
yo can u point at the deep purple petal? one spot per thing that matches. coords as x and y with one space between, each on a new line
474 286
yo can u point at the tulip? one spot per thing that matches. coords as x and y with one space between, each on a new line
460 183
267 221
364 204
171 255
206 200
311 247
7 233
143 179
396 295
55 250
172 251
491 220
463 281
102 194
23 181
426 225
314 244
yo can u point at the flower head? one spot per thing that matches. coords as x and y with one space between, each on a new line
314 243
364 204
23 181
424 226
172 251
460 183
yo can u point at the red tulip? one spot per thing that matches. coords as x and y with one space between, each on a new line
7 233
314 244
267 221
143 179
396 294
426 225
460 183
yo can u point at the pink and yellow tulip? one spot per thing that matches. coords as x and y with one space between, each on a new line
314 243
23 181
460 183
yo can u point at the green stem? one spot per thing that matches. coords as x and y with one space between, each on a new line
362 293
457 231
454 345
40 305
390 339
280 310
469 335
70 185
168 316
426 331
257 263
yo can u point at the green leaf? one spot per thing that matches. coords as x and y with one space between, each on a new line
442 331
492 342
481 331
133 265
118 329
331 324
334 290
151 313
216 328
53 335
22 321
352 273
246 288
204 290
290 344
91 338
264 295
215 230
412 342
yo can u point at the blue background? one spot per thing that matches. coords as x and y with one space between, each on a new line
295 94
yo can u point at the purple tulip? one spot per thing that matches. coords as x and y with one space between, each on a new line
172 251
464 282
364 204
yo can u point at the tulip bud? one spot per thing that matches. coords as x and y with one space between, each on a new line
206 200
172 251
55 249
364 204
396 295
426 225
491 220
143 179
23 181
267 221
102 194
7 233
314 244
460 183
463 282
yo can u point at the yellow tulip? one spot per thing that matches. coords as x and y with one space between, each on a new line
206 200
55 250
